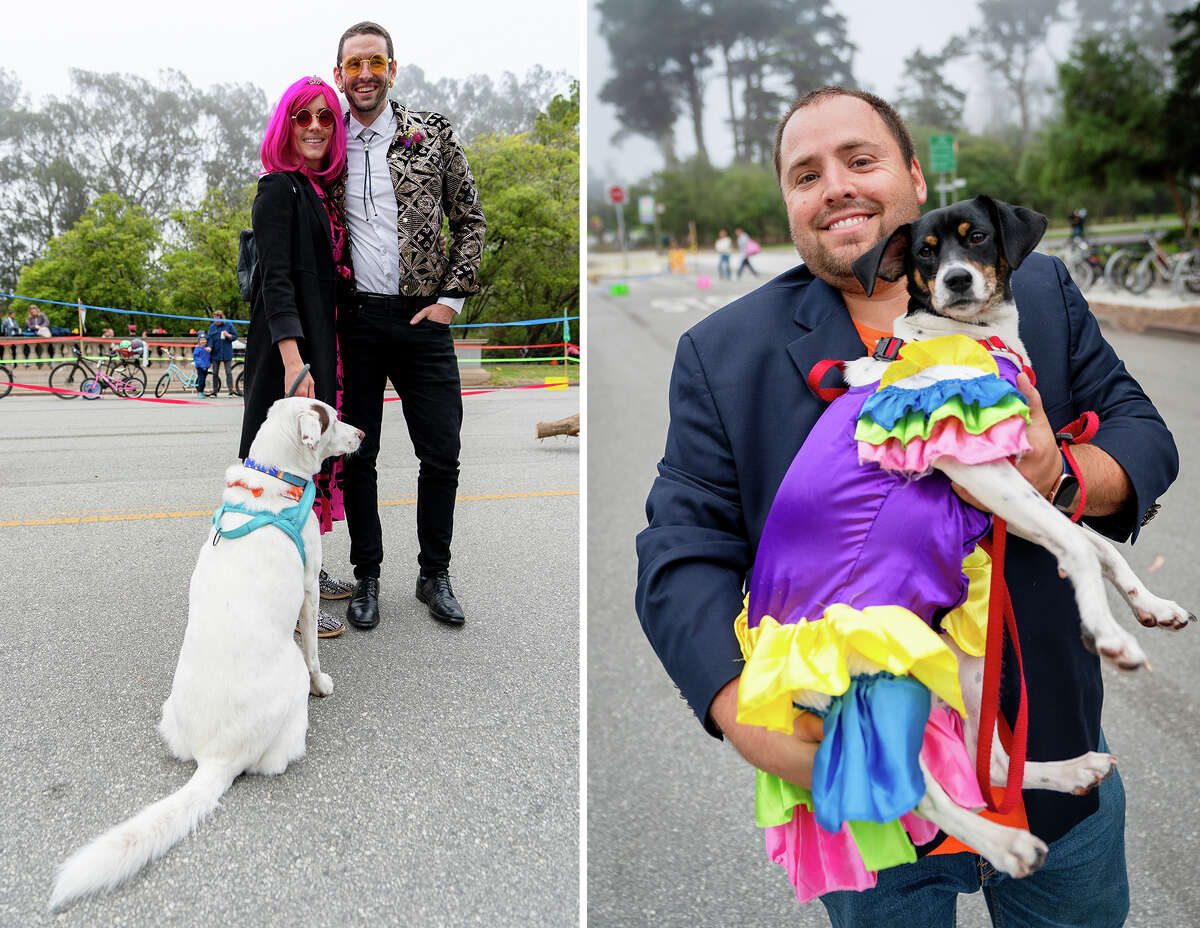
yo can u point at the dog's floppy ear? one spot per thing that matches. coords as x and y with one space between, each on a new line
885 260
310 424
1018 229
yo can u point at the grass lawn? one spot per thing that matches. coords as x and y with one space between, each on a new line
518 375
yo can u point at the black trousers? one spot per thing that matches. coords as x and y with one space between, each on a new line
378 344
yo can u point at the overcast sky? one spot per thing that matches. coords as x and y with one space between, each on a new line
885 33
271 44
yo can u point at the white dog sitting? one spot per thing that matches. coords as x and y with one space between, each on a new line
239 700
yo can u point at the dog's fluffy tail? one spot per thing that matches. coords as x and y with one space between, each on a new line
124 849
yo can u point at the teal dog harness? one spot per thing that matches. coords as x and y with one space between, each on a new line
290 521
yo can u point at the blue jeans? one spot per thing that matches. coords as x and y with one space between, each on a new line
1082 884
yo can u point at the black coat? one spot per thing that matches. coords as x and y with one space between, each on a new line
294 295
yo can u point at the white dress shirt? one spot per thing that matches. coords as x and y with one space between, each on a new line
371 209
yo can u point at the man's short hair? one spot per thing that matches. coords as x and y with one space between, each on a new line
365 28
890 118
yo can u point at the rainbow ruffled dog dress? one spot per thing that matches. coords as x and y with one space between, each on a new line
865 556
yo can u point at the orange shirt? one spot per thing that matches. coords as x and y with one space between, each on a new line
1016 818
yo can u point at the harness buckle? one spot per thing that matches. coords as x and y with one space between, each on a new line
888 348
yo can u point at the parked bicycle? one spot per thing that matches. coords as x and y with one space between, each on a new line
1083 262
78 378
1137 269
5 381
186 380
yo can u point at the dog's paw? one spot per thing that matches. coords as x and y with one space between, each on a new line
1020 855
1153 611
1079 775
320 684
1089 771
1119 648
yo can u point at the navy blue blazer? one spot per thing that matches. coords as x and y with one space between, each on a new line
740 409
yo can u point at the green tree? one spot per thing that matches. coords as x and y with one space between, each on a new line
477 105
927 98
106 259
1011 42
1110 134
200 273
530 266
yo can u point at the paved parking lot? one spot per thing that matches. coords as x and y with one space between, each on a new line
441 781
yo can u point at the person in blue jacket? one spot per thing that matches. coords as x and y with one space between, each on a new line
221 335
740 410
202 361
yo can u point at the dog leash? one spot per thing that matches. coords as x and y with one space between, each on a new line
1000 618
296 382
1078 432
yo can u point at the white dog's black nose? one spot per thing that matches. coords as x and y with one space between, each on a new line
957 280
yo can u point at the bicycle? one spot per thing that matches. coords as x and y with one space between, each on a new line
1156 263
5 381
1083 263
187 381
78 378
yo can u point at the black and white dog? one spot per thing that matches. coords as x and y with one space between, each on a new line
958 261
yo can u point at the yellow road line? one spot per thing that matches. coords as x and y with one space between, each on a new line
207 513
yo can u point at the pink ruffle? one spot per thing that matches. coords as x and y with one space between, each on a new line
948 439
920 830
945 754
816 861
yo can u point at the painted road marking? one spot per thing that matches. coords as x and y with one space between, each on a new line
207 513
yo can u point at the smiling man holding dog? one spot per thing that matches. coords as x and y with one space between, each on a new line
405 170
740 409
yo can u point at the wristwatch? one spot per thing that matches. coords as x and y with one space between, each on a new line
1066 488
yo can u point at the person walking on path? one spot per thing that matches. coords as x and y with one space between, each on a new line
405 171
724 247
746 247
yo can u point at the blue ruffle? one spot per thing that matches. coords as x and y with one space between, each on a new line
866 768
890 404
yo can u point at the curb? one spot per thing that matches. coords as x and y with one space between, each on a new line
1180 320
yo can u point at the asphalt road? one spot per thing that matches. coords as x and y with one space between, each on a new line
441 781
670 824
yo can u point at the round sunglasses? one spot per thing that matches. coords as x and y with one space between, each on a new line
377 63
304 118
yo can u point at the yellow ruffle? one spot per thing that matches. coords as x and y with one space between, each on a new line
782 659
946 349
967 624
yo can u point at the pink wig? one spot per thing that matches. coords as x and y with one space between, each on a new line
277 153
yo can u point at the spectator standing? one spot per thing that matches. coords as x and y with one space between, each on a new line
201 360
220 340
724 246
9 329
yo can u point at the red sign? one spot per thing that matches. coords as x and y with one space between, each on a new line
616 194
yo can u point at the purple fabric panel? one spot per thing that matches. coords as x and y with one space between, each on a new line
841 532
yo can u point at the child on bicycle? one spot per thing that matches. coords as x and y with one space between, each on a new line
201 361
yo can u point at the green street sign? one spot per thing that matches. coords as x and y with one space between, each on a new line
943 154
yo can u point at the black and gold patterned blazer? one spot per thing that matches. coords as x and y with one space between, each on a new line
432 179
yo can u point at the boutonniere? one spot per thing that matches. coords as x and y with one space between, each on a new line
410 137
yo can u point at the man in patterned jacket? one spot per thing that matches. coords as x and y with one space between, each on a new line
405 170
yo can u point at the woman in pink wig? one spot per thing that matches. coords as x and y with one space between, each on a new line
303 265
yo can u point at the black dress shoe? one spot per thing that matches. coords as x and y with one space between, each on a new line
363 611
434 591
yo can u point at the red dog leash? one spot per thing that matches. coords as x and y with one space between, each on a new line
1000 618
